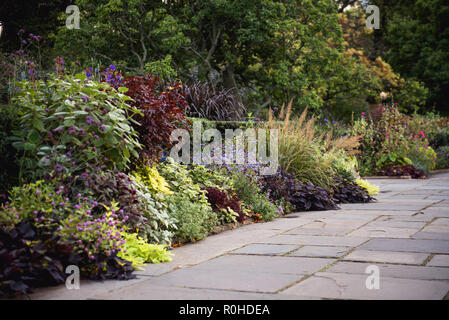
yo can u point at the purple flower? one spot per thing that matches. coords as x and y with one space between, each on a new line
24 41
88 74
85 99
112 67
38 192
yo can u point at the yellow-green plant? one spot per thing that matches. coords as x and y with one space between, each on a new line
372 189
139 252
150 177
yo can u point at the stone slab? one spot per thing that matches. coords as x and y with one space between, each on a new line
148 291
352 286
407 245
439 260
387 257
266 249
393 270
315 240
320 251
226 279
383 232
431 236
263 264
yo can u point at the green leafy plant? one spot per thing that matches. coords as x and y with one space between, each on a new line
392 158
188 204
69 123
139 252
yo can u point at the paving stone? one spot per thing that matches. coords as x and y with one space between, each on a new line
319 231
389 222
393 270
320 251
148 291
431 236
400 213
315 240
350 286
441 222
266 249
437 212
437 196
87 289
226 279
384 206
383 232
357 215
436 228
439 260
407 245
402 197
335 223
387 257
264 264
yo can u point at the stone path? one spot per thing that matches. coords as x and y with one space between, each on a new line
309 255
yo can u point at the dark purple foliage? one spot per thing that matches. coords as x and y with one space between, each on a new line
405 170
347 191
24 266
303 196
220 200
206 101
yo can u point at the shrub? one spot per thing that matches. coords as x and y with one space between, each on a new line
443 158
141 208
8 162
188 204
207 178
70 123
393 139
162 111
249 192
206 101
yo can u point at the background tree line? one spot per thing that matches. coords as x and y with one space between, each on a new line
317 53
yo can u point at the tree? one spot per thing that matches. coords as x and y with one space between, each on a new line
415 36
132 33
272 51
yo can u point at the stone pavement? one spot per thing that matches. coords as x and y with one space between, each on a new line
309 255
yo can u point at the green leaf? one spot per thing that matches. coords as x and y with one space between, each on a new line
123 89
38 124
81 76
33 137
28 146
98 142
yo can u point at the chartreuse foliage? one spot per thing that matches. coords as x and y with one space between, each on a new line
372 189
140 252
